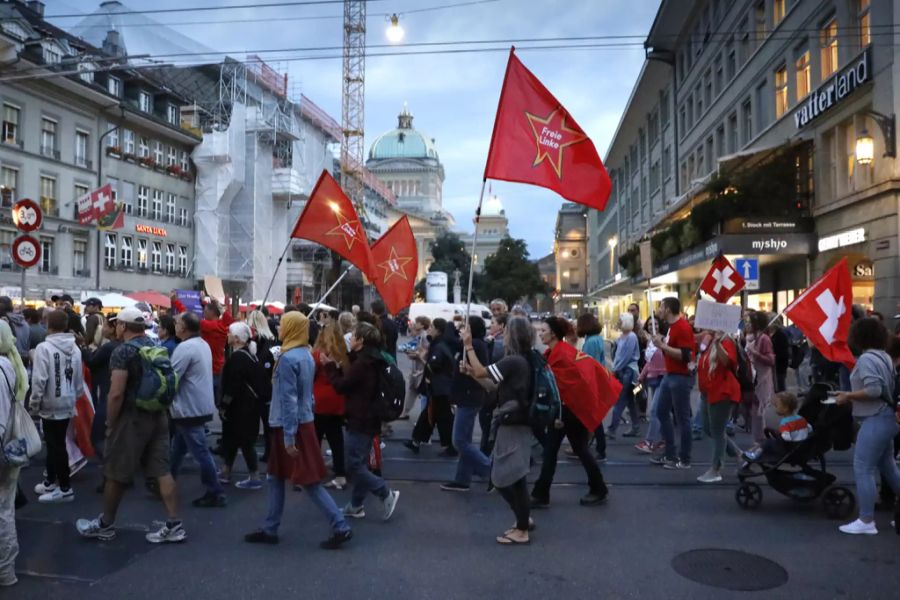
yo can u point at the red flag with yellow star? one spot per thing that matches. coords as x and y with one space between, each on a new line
330 219
395 263
537 141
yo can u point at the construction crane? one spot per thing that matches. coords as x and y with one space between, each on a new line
353 103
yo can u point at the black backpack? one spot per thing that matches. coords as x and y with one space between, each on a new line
391 393
744 371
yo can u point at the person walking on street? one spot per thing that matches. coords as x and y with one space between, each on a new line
496 351
625 368
18 324
97 362
37 333
560 357
265 340
56 381
295 455
329 405
675 389
510 429
388 328
440 368
93 322
358 383
650 378
167 337
872 398
214 331
193 407
243 381
762 357
588 327
469 396
13 388
417 352
720 392
138 439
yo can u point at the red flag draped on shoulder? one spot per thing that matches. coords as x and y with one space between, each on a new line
329 219
585 386
395 263
537 141
822 313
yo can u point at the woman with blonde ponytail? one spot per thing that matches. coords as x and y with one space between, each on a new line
719 389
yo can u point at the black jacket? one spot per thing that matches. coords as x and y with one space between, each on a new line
465 391
782 348
441 363
391 333
358 383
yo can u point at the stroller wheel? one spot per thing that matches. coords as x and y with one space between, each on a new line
839 502
748 495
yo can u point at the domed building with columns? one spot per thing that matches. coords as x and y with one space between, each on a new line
492 228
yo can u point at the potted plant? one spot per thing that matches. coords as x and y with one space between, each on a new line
115 151
147 161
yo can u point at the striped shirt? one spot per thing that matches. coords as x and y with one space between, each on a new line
794 428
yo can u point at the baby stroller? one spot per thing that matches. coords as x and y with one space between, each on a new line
792 474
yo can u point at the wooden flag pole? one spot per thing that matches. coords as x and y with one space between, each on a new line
327 293
474 247
275 272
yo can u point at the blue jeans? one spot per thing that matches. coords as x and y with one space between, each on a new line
321 498
192 438
471 459
675 392
357 447
653 434
697 418
875 452
626 399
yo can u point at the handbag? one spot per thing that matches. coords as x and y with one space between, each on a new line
21 440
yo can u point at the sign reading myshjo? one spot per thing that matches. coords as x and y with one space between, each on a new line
836 89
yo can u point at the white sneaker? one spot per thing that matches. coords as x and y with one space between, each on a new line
857 527
57 496
44 487
710 476
354 512
390 503
165 535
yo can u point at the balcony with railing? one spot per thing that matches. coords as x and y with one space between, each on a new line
50 151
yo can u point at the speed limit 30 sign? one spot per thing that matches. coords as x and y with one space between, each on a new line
27 215
26 251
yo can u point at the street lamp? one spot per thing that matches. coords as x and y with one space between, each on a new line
394 32
865 145
613 242
865 148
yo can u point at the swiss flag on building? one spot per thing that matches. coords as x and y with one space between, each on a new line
723 281
96 205
537 141
395 262
822 313
329 219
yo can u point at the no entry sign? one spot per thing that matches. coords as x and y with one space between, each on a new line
26 251
27 215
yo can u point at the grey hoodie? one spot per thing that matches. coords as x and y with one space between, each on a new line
21 330
56 377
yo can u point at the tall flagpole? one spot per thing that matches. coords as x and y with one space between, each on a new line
275 272
328 292
474 247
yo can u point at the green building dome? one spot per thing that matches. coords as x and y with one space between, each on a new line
403 142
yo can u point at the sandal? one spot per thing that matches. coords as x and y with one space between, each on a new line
531 527
506 540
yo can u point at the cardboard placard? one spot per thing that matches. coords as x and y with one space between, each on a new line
717 316
646 260
213 287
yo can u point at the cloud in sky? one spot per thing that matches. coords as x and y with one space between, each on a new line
453 96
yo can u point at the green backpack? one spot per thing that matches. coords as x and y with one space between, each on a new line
158 383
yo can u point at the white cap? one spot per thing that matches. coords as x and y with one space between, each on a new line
131 315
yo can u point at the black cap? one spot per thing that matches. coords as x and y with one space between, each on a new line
93 302
63 297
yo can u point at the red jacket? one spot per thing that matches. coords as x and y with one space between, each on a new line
722 384
215 333
326 400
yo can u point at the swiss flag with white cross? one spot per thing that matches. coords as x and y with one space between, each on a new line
822 313
723 281
95 205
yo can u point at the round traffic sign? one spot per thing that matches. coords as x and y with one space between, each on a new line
26 251
27 215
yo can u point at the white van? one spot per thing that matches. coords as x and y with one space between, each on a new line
448 310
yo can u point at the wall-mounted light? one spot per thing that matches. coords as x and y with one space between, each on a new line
865 148
865 145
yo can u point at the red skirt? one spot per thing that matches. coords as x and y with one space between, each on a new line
307 468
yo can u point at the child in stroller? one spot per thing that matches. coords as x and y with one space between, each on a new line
792 430
788 470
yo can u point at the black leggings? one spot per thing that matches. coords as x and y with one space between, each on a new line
516 496
439 410
264 415
57 456
231 443
331 427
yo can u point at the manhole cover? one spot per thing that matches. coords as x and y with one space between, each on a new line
730 569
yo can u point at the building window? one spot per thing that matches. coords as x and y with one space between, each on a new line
184 217
158 152
719 80
663 108
172 114
667 163
145 102
156 257
48 195
759 23
171 156
144 146
125 256
128 197
52 55
690 112
170 208
80 190
182 260
114 86
730 61
185 162
701 165
720 141
81 149
128 136
109 251
112 138
828 48
708 88
87 71
156 213
10 124
747 122
9 183
864 17
699 96
654 177
802 72
46 255
48 137
781 92
170 258
79 257
653 127
142 254
143 200
761 101
682 121
6 241
778 12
